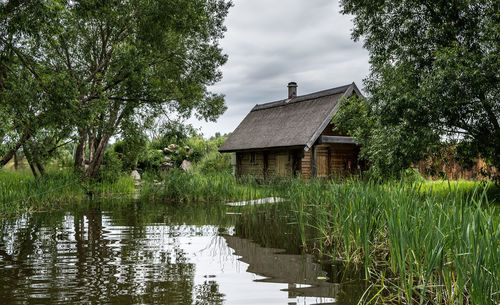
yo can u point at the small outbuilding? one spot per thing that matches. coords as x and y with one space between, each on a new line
294 136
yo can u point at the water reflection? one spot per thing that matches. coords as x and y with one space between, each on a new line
304 277
150 254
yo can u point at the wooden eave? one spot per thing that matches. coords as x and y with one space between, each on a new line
335 140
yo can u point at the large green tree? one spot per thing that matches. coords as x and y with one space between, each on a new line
434 79
115 61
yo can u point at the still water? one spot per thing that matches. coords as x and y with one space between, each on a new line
146 253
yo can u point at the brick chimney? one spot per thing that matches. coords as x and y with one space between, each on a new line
292 89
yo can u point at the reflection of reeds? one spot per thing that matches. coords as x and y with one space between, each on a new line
216 247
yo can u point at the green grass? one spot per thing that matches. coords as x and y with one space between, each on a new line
21 192
178 186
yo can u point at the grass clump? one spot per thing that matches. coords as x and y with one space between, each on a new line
21 192
180 186
420 246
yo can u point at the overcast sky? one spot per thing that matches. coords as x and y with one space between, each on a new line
273 42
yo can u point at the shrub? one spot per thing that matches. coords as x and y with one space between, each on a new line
151 160
215 162
129 151
111 167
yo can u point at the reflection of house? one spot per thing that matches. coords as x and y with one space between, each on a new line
276 267
294 136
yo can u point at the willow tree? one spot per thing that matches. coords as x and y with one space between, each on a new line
32 94
434 78
121 59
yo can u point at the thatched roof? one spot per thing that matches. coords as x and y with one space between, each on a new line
296 122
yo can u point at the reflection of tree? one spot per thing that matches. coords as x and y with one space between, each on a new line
83 257
208 294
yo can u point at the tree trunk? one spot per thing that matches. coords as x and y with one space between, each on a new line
26 135
16 161
80 150
95 164
40 167
29 157
92 147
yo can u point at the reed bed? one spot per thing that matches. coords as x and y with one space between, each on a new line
419 246
178 186
417 242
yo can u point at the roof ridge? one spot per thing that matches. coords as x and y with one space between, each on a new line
302 98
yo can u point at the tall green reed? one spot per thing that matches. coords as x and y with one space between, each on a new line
425 243
435 246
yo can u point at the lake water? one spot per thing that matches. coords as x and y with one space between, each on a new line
147 253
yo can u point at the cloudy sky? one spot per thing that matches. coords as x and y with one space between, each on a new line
273 42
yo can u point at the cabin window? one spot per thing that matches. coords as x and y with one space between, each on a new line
252 158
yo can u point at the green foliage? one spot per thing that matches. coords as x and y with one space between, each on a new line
21 192
413 176
173 132
64 158
215 162
179 186
422 242
112 167
151 160
193 147
434 78
99 67
129 150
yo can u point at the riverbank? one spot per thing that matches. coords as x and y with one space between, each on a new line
20 192
417 242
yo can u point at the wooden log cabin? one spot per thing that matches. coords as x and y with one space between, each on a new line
294 136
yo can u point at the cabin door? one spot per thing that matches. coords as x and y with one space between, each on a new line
322 168
282 165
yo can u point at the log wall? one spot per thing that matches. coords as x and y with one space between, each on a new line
320 161
307 165
343 159
279 163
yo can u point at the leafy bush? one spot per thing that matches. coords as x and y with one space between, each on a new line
129 150
215 162
111 167
412 175
151 160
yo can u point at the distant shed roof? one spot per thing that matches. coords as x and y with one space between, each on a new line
291 122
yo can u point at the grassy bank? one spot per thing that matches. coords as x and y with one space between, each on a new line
418 242
21 192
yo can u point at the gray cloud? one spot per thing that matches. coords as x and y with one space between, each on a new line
271 43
